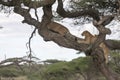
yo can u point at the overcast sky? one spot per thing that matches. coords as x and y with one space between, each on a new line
14 35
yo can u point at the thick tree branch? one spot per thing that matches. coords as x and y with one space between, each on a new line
88 12
44 32
66 39
28 3
113 44
27 17
100 25
49 35
9 3
104 21
97 53
98 59
37 3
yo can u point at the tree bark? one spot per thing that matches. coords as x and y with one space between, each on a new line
98 59
95 51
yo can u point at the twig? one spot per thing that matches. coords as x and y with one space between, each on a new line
28 44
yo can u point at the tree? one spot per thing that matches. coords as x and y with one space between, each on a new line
52 31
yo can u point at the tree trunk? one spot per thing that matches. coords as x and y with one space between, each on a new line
99 61
96 54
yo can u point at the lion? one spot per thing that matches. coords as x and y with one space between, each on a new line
58 28
62 30
90 39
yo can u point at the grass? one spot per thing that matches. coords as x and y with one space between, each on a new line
61 70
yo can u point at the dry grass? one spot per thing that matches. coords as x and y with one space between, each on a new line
14 78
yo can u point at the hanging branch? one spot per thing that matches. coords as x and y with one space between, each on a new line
65 41
28 44
30 56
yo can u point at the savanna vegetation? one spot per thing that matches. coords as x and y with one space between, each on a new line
81 68
99 12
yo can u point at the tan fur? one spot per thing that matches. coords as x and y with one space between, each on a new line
58 28
89 39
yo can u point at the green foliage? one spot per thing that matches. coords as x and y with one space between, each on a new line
81 63
103 6
52 61
115 61
34 76
63 70
87 3
10 72
60 70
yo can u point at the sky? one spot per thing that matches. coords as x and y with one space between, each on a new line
14 35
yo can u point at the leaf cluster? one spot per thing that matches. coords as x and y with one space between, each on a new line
102 5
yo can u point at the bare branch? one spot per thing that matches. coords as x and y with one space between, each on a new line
47 34
65 38
86 12
29 44
13 61
113 44
105 20
37 3
28 3
27 17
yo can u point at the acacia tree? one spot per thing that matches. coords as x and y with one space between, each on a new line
65 38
